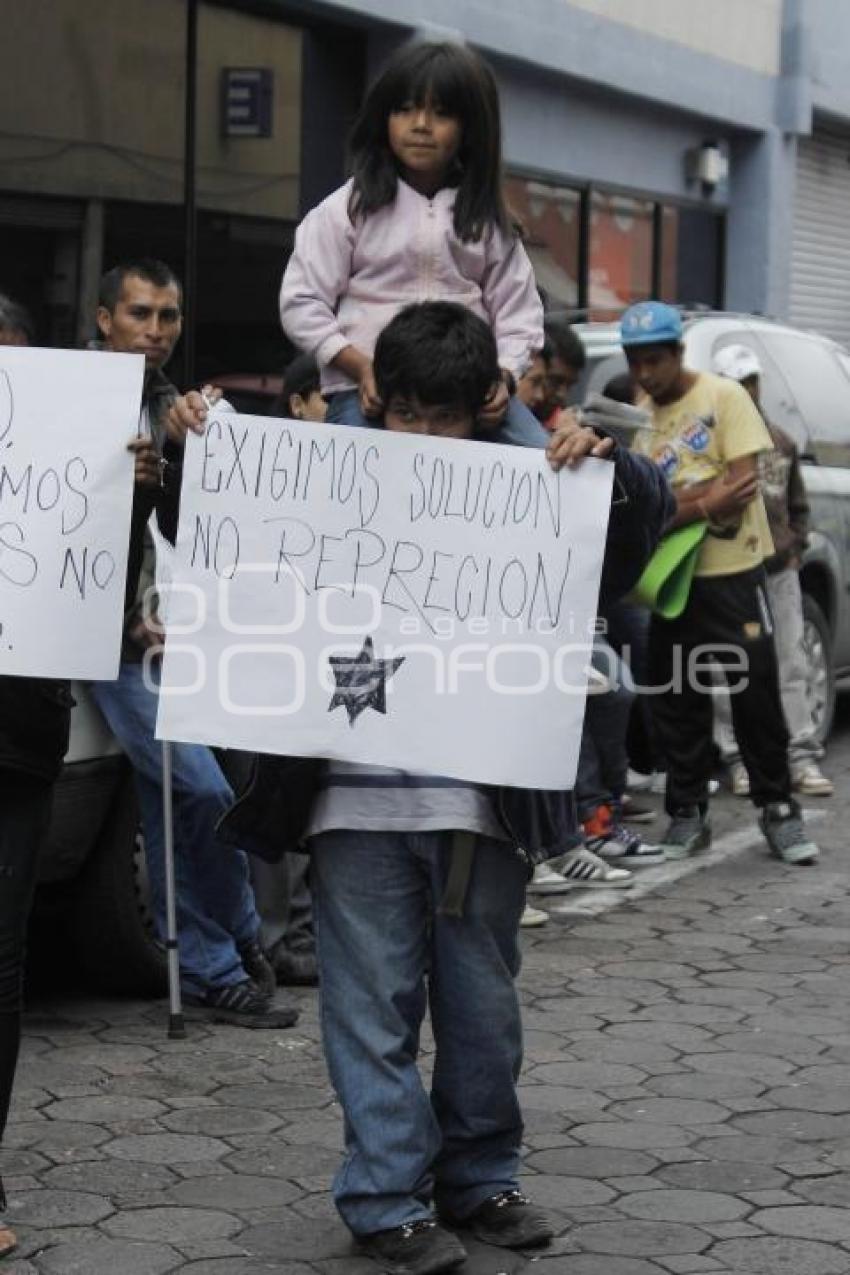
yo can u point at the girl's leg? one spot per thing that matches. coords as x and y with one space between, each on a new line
344 409
520 427
370 901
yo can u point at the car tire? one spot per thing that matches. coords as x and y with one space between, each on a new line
820 673
108 921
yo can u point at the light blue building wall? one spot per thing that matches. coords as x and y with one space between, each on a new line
589 99
827 24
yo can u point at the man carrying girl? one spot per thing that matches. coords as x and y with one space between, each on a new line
419 883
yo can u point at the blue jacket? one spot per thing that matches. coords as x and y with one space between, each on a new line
272 814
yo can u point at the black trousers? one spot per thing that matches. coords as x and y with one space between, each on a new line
727 619
24 818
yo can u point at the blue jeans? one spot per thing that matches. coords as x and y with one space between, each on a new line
384 952
520 426
215 902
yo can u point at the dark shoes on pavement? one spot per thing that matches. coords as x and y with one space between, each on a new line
295 969
782 825
507 1220
258 967
688 832
417 1248
241 1005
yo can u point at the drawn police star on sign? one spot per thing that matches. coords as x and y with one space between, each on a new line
361 681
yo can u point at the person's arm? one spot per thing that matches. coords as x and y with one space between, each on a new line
741 436
798 505
572 441
317 275
722 499
642 503
513 306
188 412
357 366
641 509
147 467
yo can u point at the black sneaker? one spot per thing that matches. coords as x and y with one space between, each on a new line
782 824
296 969
508 1220
687 833
634 811
417 1248
242 1005
258 967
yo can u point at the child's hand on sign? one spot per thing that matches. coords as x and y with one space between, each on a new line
572 441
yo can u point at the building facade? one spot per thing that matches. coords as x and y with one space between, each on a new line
698 152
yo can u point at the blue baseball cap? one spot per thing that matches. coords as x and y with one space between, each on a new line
650 323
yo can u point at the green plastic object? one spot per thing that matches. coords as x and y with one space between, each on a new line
666 580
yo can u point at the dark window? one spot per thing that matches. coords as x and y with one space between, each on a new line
240 264
690 256
550 217
599 251
620 252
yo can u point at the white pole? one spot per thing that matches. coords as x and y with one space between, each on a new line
176 1025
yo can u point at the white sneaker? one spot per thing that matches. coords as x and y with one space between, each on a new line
547 881
583 868
739 780
532 918
810 780
629 849
637 781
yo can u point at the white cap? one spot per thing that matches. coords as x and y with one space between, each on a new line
738 362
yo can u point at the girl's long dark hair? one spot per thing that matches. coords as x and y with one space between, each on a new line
461 83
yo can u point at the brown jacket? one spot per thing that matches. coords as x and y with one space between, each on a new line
785 500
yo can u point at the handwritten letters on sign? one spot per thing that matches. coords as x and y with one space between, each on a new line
386 598
65 496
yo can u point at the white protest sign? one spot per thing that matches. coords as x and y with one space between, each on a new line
379 597
66 489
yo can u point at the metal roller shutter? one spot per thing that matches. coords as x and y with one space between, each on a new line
820 255
40 214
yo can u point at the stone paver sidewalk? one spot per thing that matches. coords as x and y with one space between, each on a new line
687 1097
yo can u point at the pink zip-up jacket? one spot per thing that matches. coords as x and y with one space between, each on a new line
345 280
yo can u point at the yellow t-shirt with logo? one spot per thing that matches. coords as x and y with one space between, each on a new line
693 441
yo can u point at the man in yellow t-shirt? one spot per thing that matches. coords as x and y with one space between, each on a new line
706 436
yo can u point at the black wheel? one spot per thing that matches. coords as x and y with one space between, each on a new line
820 675
108 920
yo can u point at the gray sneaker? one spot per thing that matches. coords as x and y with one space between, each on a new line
687 833
782 824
